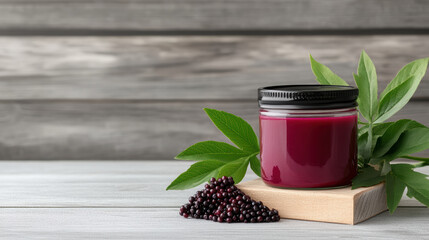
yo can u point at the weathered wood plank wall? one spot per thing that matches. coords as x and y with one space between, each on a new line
206 15
68 91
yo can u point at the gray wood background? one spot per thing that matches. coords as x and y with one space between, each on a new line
127 79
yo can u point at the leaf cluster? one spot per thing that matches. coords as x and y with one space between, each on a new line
216 159
380 142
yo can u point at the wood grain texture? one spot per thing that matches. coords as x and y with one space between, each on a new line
369 204
96 184
122 130
92 184
189 67
170 15
162 223
342 205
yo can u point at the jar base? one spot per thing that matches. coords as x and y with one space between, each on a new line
308 188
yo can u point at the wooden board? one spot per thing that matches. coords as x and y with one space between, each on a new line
122 130
127 200
101 184
341 205
147 15
215 68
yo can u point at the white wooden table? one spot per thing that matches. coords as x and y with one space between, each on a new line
127 200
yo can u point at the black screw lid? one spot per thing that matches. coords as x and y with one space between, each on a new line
307 96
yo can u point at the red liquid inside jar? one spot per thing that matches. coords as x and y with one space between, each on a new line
308 136
314 152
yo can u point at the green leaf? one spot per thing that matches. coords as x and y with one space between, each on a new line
377 131
236 129
394 100
404 85
235 169
411 141
420 197
366 80
392 134
324 75
196 174
211 150
394 190
410 193
417 183
367 177
255 165
416 68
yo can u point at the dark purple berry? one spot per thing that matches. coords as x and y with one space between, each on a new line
231 180
222 201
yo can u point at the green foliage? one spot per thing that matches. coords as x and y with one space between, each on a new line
400 90
417 183
394 190
218 159
236 129
391 135
367 177
211 150
379 143
324 75
198 173
366 81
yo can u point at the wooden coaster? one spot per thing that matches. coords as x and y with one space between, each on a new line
341 205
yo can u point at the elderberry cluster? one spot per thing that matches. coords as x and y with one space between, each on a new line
222 201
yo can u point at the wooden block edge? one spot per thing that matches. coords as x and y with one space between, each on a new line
369 203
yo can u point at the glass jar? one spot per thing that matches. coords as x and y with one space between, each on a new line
308 135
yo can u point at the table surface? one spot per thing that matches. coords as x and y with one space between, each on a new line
127 200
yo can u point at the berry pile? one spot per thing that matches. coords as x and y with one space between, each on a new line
222 201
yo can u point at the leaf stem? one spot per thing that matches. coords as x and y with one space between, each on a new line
368 146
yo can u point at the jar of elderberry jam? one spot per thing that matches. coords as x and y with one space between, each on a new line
308 135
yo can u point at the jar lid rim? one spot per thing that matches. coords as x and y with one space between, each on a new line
311 96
